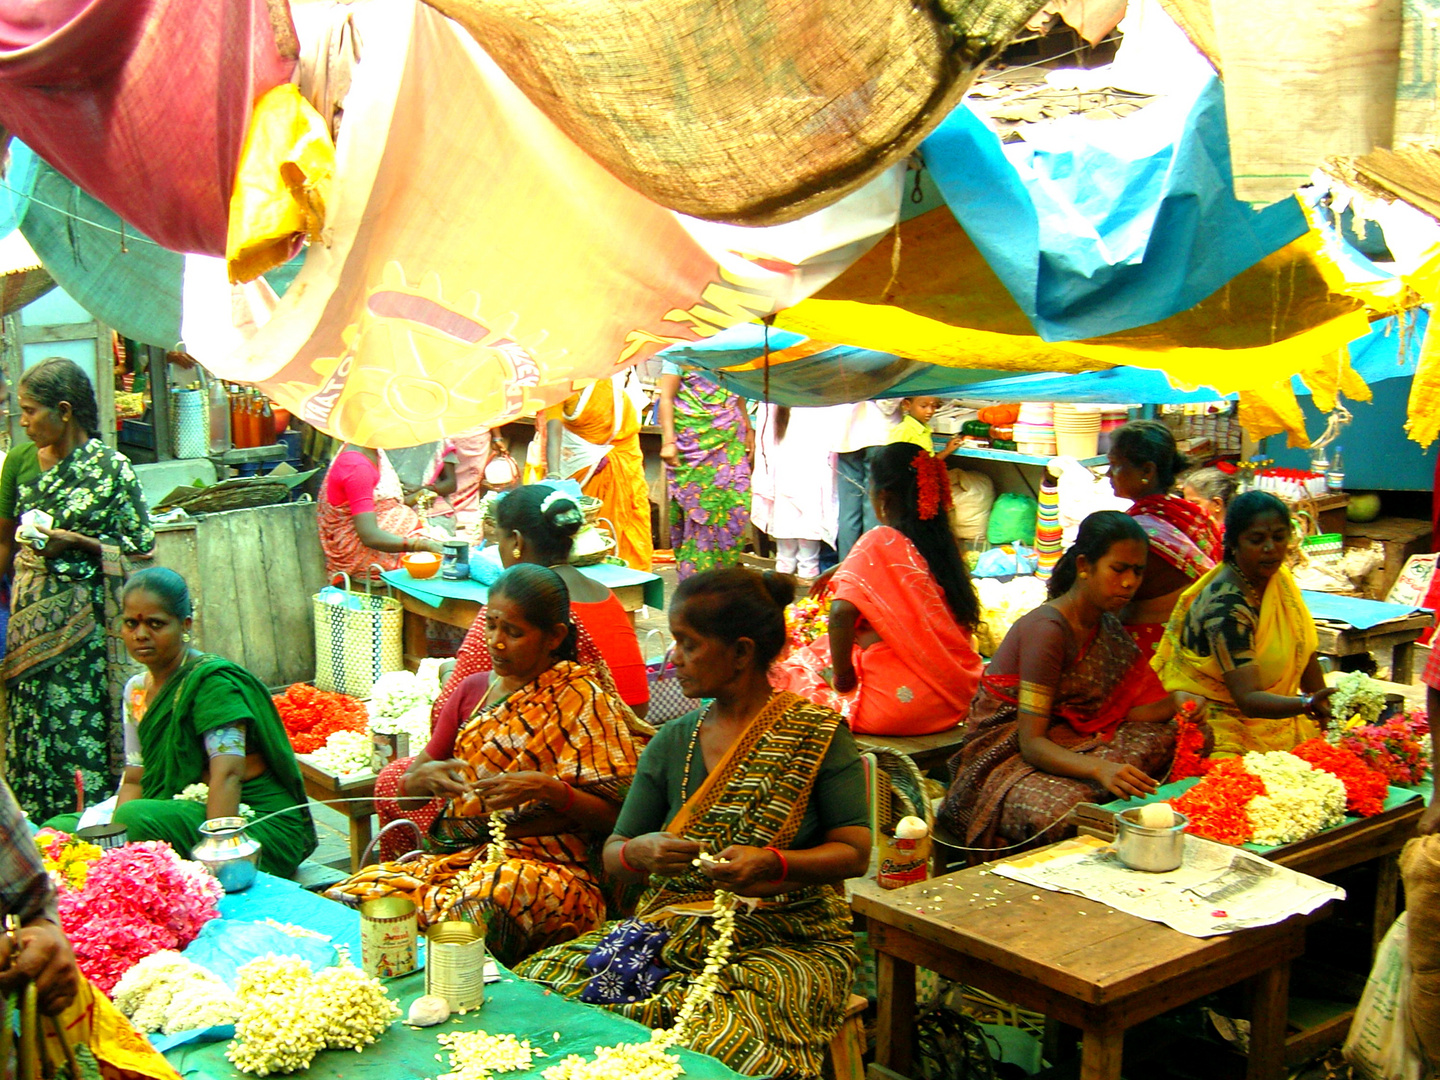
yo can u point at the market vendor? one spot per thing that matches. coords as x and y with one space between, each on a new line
899 657
1184 542
772 787
600 451
1242 638
363 516
545 744
1069 710
191 718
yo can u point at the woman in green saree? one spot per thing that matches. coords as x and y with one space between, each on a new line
191 718
63 715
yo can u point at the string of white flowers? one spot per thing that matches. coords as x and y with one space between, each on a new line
166 992
494 856
649 1060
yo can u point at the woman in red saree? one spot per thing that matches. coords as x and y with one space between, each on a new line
1184 542
899 658
363 517
1069 710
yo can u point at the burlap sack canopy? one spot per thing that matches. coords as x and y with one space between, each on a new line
752 112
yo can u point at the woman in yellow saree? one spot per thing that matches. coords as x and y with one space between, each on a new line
601 452
1242 638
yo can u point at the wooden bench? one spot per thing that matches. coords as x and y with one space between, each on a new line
325 787
927 751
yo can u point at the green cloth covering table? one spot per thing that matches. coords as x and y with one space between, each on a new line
435 590
512 1005
1394 797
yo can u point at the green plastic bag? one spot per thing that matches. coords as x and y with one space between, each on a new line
1012 520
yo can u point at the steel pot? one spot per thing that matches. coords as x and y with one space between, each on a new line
1155 851
228 852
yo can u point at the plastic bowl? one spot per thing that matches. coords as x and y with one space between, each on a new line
421 564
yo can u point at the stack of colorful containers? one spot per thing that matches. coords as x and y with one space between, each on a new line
1111 418
1049 536
1035 429
1077 430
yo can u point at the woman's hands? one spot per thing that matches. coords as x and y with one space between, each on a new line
439 779
1126 781
511 789
1318 707
669 452
738 867
660 853
845 679
1186 702
62 540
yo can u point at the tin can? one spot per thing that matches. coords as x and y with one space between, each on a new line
388 928
903 862
455 964
104 836
387 748
455 559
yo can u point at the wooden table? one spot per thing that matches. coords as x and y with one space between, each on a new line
325 787
1398 636
455 611
927 751
1071 958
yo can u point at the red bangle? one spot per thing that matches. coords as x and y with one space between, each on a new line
784 863
569 800
626 865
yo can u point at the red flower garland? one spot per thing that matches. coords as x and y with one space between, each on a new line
1216 805
1189 741
932 483
1365 788
311 716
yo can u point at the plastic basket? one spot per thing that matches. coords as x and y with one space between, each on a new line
357 639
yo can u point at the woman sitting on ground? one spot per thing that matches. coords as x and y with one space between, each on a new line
904 608
771 786
1242 638
191 718
547 745
1184 541
1069 710
364 520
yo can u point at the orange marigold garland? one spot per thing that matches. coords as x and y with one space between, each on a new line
1189 742
1365 788
1216 805
311 716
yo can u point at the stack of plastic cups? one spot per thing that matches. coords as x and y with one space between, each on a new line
1035 429
1049 536
1077 431
1112 418
189 423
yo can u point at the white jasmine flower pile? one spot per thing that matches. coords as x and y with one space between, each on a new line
474 1055
288 1013
165 992
400 702
1299 799
649 1061
345 753
201 793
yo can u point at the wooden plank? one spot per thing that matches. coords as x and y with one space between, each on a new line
1271 996
927 751
32 335
1387 899
1304 1045
1100 1053
895 1019
254 561
296 574
1350 845
222 610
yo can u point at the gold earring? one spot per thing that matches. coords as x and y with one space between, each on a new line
517 551
1084 573
185 637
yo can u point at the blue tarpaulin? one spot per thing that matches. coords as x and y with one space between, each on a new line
1101 226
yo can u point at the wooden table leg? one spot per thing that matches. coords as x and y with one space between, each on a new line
360 836
1100 1053
1270 994
1402 663
1387 890
895 1021
417 645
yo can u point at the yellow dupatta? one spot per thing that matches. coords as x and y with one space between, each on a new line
1285 639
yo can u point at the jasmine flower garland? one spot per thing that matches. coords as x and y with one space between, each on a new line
1298 802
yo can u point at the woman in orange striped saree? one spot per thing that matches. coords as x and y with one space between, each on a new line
601 452
547 749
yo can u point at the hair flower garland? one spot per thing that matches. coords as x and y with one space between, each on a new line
137 900
932 483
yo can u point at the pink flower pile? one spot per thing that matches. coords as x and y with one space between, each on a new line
137 900
1399 748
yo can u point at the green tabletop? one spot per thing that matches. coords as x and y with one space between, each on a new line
1394 796
512 1005
435 590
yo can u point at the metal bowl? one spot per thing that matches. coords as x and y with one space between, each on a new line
1156 851
228 852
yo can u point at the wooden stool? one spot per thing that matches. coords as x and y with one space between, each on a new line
847 1047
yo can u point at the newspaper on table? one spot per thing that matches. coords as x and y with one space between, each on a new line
1217 889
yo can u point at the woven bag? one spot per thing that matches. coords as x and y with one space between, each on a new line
357 639
667 701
